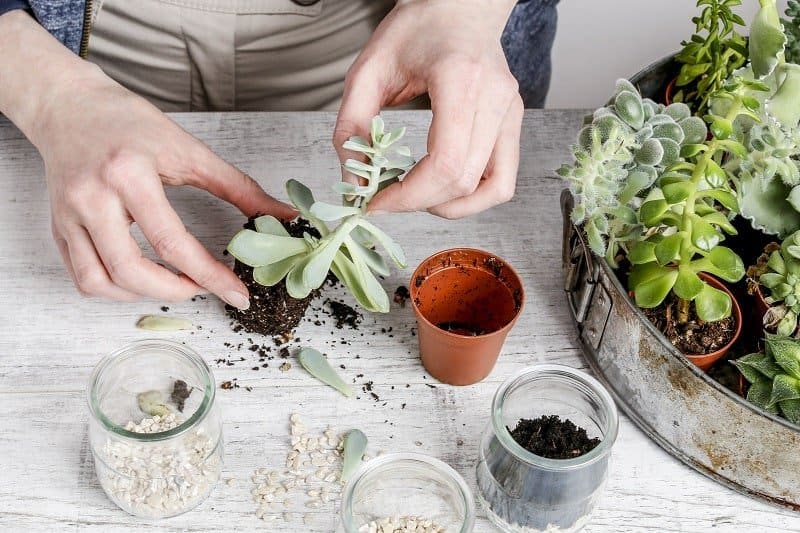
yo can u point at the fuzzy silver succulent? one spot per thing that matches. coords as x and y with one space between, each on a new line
346 249
625 147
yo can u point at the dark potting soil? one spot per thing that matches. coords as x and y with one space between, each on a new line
461 328
553 438
344 314
401 295
695 337
272 310
180 391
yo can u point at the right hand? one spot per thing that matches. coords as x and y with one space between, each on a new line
108 154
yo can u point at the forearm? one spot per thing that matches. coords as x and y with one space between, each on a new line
34 67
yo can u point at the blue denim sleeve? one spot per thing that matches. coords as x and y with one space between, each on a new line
8 5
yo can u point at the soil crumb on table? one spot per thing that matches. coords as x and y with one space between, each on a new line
552 437
695 337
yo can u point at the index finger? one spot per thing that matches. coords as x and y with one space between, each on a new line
175 245
439 176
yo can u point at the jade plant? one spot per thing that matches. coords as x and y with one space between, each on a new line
781 278
687 216
774 377
346 249
712 54
620 153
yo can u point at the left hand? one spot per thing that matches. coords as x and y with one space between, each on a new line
451 50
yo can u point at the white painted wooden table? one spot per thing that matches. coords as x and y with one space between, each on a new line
50 339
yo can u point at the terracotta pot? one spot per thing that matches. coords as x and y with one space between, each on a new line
466 301
669 91
761 308
705 361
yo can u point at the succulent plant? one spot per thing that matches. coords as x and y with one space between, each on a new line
713 53
304 262
791 26
768 171
774 377
620 154
687 219
781 277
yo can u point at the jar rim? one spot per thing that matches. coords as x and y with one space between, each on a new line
430 462
131 350
574 376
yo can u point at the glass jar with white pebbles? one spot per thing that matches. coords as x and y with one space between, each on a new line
406 493
154 428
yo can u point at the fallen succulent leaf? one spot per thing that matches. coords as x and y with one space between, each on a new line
152 403
355 444
318 366
163 323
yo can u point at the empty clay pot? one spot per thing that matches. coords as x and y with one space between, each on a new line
466 301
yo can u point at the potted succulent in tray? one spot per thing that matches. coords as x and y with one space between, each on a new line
284 264
656 193
775 283
774 377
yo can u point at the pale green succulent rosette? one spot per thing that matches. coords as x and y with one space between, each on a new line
304 262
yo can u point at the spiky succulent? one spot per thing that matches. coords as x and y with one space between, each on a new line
781 278
774 377
619 154
304 262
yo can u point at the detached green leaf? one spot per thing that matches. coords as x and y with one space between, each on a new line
163 323
318 366
355 445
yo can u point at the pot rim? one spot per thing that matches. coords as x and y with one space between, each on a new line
571 373
448 334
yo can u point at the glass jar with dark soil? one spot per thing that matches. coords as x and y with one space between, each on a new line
272 310
544 458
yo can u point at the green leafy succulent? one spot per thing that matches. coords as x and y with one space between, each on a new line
774 377
345 250
687 221
769 171
713 53
619 154
781 277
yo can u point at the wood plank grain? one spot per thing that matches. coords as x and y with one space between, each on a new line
51 339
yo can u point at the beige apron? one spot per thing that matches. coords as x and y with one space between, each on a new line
271 55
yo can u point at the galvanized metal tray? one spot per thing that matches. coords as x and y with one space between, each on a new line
693 417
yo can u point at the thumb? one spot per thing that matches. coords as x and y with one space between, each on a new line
227 182
362 99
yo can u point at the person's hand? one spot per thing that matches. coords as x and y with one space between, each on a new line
108 154
451 50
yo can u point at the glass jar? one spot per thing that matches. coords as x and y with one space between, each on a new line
165 461
402 487
523 492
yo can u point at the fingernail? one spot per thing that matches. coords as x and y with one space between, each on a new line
378 213
237 299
